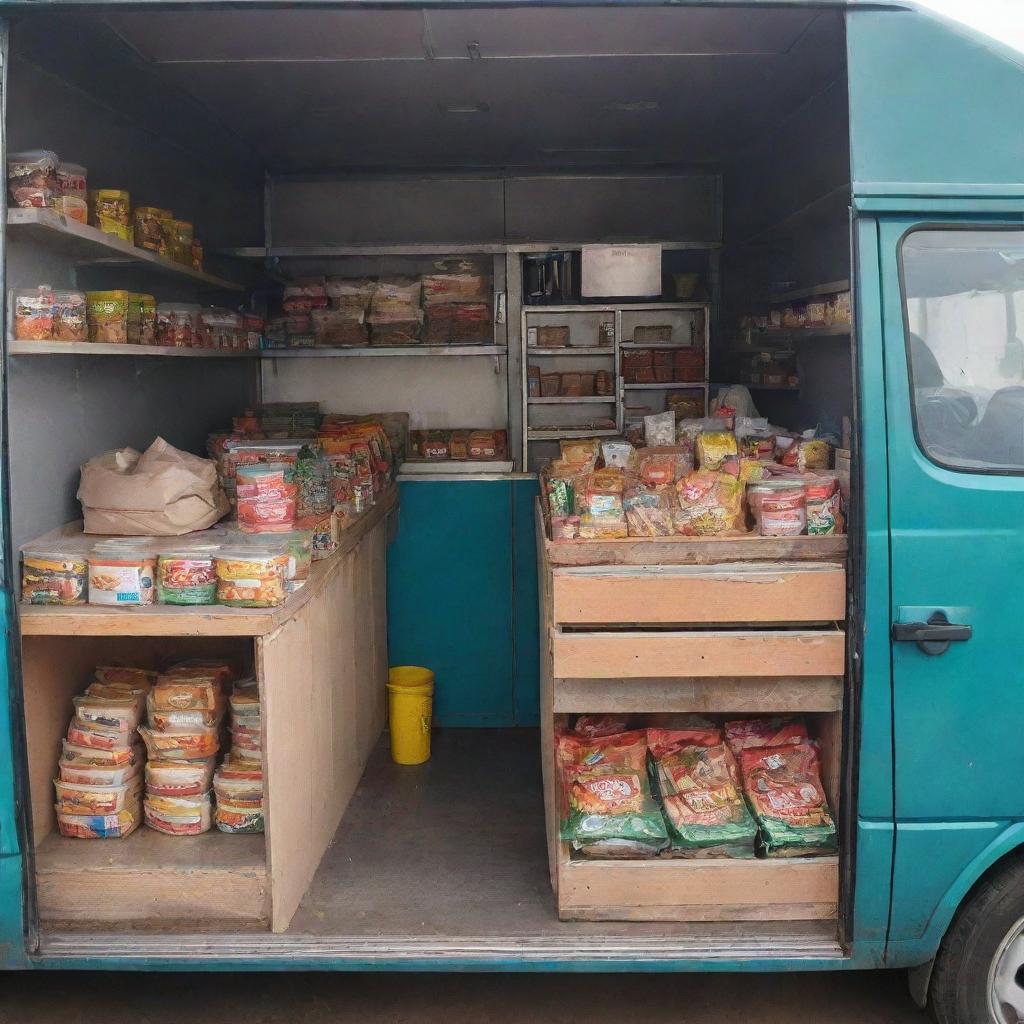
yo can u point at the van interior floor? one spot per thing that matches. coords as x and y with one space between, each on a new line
443 856
456 847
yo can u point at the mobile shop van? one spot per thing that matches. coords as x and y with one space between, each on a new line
774 153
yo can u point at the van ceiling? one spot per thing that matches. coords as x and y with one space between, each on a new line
355 90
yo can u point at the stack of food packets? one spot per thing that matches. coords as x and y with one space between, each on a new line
238 783
185 709
100 772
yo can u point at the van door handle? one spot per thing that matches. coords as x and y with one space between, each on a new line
933 636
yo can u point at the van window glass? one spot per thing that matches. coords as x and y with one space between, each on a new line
964 299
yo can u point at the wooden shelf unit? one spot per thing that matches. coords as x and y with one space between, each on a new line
321 662
679 624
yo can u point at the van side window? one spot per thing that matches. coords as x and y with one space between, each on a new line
963 293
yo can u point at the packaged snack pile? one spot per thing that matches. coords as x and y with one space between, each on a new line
711 477
448 305
682 786
99 781
238 782
184 709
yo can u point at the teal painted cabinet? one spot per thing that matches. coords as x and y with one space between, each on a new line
462 597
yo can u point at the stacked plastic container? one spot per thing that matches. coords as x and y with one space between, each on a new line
238 784
185 710
100 772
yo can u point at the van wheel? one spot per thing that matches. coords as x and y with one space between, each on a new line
979 970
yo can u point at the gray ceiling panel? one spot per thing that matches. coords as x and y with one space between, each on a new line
290 35
547 32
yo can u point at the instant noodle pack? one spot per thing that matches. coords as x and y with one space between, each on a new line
116 773
716 476
680 785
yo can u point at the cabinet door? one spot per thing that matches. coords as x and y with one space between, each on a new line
450 596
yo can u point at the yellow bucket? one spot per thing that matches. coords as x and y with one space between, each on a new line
410 707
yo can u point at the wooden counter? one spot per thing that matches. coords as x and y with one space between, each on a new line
321 662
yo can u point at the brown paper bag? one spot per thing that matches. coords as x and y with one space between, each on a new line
163 492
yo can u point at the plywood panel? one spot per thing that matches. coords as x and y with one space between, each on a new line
697 653
717 890
739 695
321 675
153 877
754 592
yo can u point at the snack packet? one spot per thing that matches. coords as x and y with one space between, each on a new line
704 807
714 448
783 785
710 504
764 732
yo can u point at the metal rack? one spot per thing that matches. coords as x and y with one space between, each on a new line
534 432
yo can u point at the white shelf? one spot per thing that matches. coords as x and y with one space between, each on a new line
555 433
91 348
384 350
574 400
693 386
625 307
85 244
607 351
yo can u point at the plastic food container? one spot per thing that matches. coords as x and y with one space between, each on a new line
239 819
120 714
121 574
44 314
71 180
186 577
97 774
267 497
179 816
300 558
98 826
76 798
88 756
149 228
52 576
184 694
110 211
782 509
88 734
181 242
32 178
245 700
177 324
108 315
187 744
179 778
234 786
247 742
164 720
73 208
120 675
251 577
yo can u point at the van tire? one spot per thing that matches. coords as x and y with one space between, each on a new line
959 991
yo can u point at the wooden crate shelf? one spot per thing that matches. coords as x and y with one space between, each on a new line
745 625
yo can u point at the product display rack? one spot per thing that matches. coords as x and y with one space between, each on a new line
620 314
82 243
93 348
679 624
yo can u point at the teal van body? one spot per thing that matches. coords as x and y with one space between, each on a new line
935 141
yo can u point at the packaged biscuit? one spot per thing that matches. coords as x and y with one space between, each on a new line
110 211
82 733
81 798
118 757
764 732
83 773
183 694
120 713
179 778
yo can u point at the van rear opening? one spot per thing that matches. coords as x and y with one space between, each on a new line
362 144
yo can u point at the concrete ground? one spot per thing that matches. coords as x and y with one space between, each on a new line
850 998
